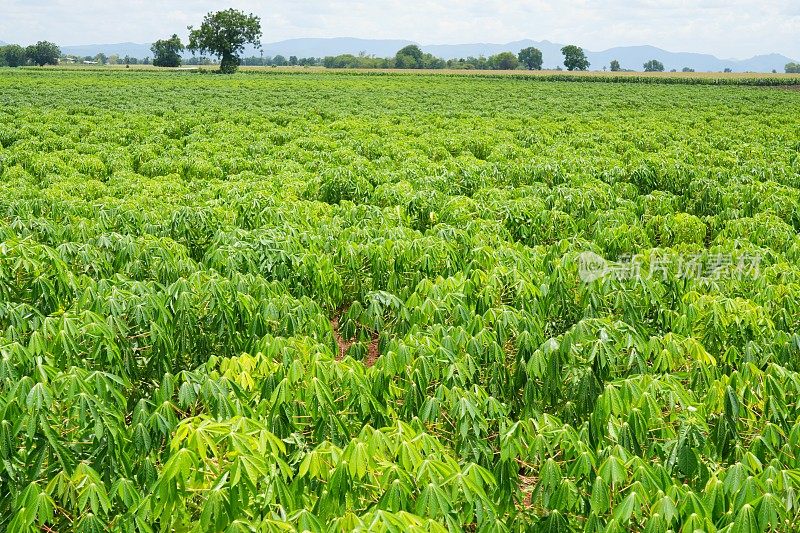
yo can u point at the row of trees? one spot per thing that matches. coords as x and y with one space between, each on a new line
103 59
412 57
41 53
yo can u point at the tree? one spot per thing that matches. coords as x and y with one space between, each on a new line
409 57
687 69
43 53
574 58
654 65
504 61
100 58
792 68
531 57
167 52
615 66
14 55
293 61
224 34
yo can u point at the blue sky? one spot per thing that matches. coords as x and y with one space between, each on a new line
726 28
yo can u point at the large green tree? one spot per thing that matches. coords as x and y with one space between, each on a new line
615 66
224 34
504 61
167 52
409 57
654 65
531 57
574 58
792 68
13 55
43 53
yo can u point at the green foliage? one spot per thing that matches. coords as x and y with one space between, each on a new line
614 66
354 303
409 57
42 53
167 52
412 56
792 68
360 61
654 65
224 34
531 58
575 58
503 61
12 55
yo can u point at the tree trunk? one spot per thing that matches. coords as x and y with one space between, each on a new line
229 63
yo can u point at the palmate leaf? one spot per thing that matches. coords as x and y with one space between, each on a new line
613 471
746 521
600 498
395 498
627 508
32 507
771 512
656 523
432 502
214 515
89 523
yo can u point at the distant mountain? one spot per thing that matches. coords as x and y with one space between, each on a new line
121 49
334 47
633 57
630 57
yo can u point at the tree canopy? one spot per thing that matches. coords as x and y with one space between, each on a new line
409 57
13 55
43 53
574 58
654 65
224 34
504 61
167 52
531 58
614 66
412 56
792 68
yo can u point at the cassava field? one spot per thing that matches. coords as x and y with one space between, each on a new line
335 302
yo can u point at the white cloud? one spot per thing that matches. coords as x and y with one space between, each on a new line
726 28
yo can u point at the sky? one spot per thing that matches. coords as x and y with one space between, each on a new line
725 28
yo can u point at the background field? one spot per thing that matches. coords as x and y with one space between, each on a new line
723 78
328 301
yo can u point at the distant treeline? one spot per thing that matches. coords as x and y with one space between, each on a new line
410 57
168 53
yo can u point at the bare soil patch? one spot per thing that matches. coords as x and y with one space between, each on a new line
342 344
